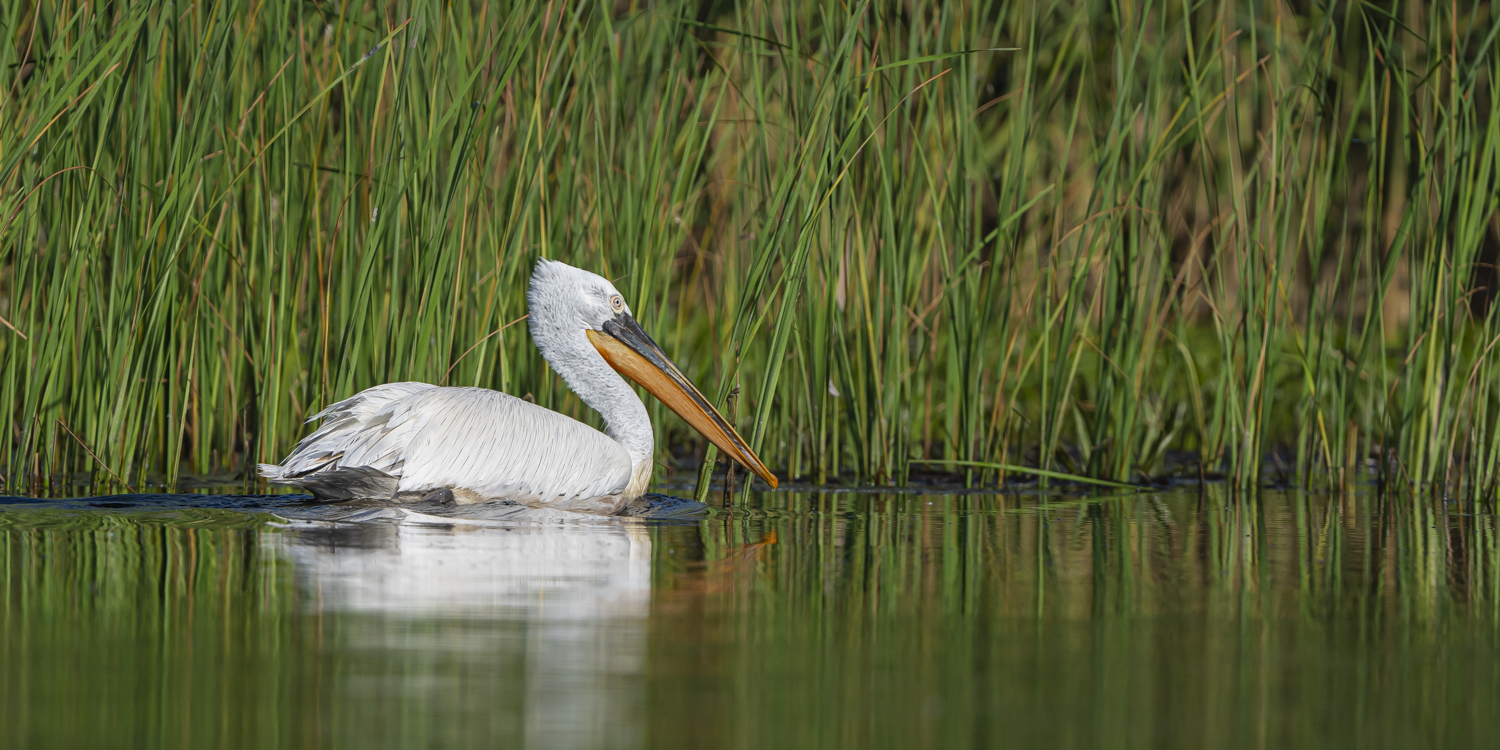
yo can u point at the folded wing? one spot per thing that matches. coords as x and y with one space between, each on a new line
403 438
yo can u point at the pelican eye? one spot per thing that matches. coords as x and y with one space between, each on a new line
617 303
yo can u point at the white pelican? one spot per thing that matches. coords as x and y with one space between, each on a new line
415 440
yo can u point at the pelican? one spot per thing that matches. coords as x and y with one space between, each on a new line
409 441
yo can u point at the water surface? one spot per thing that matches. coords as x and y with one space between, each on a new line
1180 619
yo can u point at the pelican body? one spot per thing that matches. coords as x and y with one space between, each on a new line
409 440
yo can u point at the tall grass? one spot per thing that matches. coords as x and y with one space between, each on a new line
1119 240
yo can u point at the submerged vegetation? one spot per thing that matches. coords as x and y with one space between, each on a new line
1114 240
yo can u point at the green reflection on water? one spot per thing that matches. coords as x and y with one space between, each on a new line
835 620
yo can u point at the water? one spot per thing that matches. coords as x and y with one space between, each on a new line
793 620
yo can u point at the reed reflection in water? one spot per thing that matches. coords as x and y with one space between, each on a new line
797 620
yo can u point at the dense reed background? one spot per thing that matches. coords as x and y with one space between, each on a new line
1119 240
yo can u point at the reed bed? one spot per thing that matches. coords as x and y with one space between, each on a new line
1118 241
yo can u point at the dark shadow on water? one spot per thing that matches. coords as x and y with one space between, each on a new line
654 506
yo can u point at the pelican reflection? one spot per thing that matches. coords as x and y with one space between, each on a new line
545 617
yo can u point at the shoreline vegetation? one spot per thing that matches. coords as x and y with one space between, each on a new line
1079 238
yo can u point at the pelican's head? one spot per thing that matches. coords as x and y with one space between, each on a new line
565 300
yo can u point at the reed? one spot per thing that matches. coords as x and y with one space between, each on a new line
1111 240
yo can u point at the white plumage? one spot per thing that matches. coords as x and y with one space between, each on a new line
406 440
413 438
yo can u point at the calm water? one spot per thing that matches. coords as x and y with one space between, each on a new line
794 620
